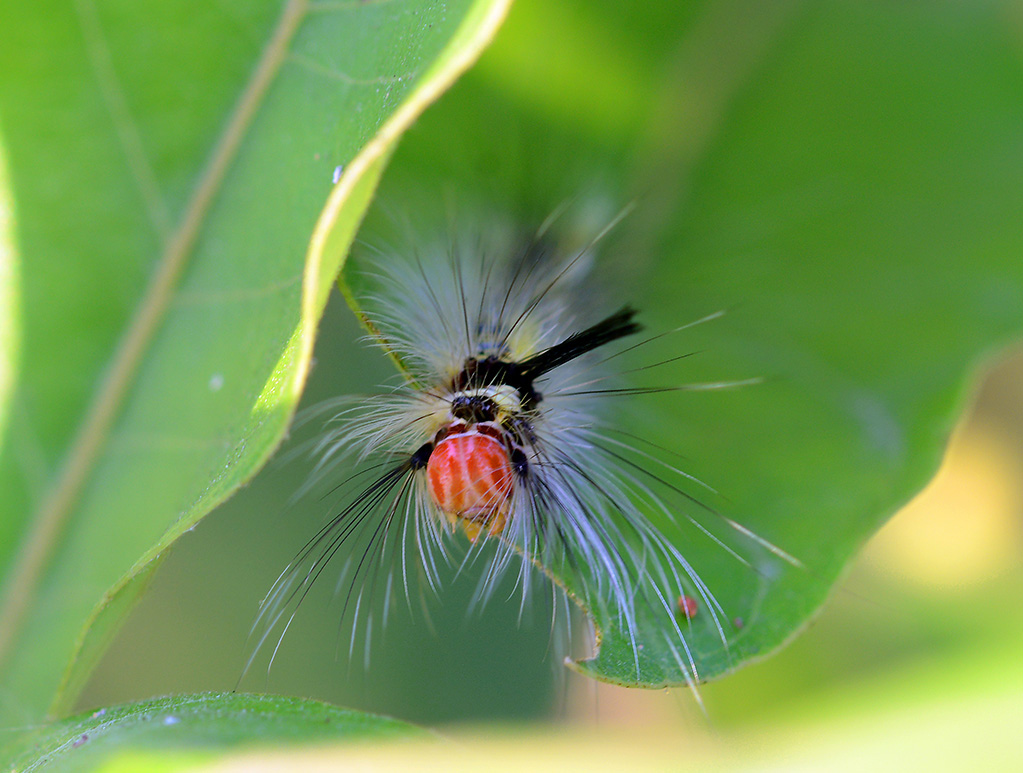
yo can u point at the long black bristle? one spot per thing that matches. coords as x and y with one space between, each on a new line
618 325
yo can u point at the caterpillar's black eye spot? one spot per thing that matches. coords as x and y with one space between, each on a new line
421 457
519 463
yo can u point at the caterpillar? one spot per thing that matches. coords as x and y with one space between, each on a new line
500 444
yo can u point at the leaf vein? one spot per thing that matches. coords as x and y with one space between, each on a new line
128 134
235 295
330 72
324 6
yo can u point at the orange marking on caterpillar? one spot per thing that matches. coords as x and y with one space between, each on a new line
470 478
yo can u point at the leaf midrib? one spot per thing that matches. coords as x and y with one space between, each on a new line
49 519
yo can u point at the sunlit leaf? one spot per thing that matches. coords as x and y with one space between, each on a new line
169 166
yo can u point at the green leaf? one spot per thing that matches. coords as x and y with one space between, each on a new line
844 180
168 166
181 731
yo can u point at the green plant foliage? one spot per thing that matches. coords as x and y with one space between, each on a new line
167 166
843 179
178 732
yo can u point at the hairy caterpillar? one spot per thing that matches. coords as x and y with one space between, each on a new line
501 445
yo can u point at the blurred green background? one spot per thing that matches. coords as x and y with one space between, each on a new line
590 96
